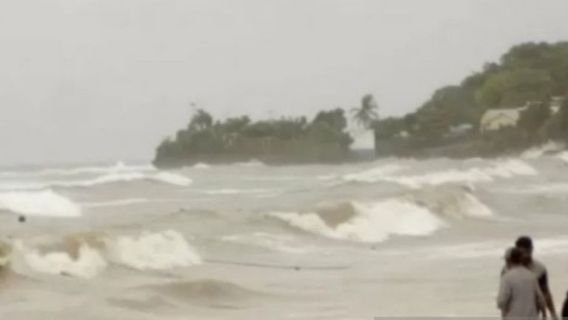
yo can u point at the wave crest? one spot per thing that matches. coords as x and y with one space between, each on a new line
374 222
155 251
415 214
115 168
39 203
85 255
120 177
375 174
502 169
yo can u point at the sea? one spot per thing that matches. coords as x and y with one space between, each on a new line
391 237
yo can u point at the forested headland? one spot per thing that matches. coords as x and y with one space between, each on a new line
531 79
529 84
275 141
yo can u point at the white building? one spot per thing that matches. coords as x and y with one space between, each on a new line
496 119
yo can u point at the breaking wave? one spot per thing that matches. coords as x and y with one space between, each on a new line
502 169
374 222
546 189
563 156
414 214
164 177
115 203
154 251
455 202
116 168
235 191
506 169
39 203
539 151
201 166
251 163
161 177
86 255
88 263
375 174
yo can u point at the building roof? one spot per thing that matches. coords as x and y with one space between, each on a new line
491 114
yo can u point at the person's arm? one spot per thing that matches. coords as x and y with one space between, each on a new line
540 300
504 296
543 282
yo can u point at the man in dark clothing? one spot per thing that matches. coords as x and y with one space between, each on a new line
564 313
525 244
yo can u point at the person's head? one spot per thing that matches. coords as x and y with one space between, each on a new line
525 244
507 257
516 257
22 219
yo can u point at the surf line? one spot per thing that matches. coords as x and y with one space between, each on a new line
274 266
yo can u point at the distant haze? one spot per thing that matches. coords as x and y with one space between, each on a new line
102 80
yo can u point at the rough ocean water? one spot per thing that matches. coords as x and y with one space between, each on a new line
247 241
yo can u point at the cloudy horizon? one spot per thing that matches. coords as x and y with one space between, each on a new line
89 81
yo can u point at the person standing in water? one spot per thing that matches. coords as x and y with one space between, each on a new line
525 244
519 293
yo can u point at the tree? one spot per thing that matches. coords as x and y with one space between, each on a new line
556 127
366 114
532 120
456 102
334 118
240 139
201 120
513 88
389 128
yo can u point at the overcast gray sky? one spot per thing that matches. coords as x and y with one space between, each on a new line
92 80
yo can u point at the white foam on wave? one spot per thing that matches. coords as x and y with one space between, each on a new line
563 156
391 173
545 189
374 222
153 251
39 203
201 166
227 191
115 203
486 249
475 208
505 169
115 168
455 202
88 263
162 177
172 178
251 163
539 151
374 174
88 255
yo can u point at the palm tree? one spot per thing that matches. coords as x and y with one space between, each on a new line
367 114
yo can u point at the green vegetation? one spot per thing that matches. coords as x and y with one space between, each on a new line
366 114
285 140
531 75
